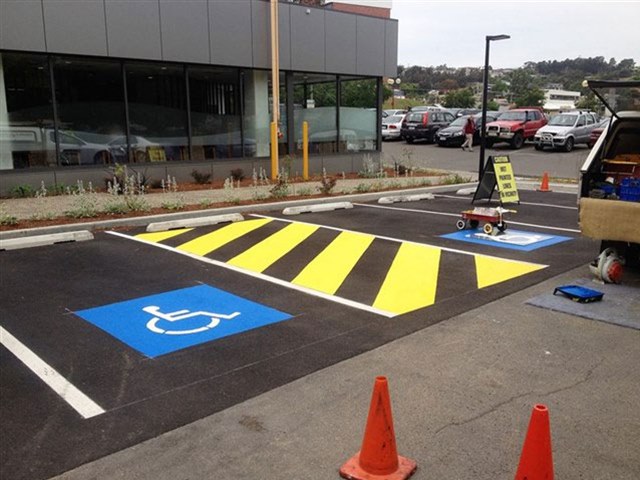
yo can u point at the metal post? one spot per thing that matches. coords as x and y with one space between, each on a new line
275 88
485 89
305 150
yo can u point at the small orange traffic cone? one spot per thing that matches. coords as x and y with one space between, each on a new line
378 455
536 461
544 186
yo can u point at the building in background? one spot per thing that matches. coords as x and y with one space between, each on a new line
171 86
557 100
374 8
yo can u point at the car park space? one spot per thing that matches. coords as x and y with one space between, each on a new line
332 285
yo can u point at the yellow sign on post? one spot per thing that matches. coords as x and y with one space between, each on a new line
505 179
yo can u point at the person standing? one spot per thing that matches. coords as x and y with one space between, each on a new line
469 129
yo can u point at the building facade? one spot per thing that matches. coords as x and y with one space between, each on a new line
169 86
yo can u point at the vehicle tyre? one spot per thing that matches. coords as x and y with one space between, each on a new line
474 224
538 147
460 224
488 143
568 146
517 141
590 145
408 140
487 228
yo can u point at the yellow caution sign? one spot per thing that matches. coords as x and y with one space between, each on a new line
505 180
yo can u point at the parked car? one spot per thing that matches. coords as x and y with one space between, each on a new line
515 126
597 131
391 127
453 135
426 108
139 148
424 125
565 130
609 191
467 111
390 112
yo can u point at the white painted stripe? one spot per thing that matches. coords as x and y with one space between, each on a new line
521 203
430 212
391 239
261 276
69 393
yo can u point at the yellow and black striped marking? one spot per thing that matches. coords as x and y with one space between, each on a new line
388 276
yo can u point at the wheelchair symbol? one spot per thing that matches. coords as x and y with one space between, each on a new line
214 320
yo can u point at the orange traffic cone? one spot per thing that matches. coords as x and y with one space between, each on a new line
544 186
378 455
536 462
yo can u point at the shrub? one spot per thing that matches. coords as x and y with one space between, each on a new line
280 189
22 191
237 174
200 178
327 184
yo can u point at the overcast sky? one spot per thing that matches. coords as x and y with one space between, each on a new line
453 32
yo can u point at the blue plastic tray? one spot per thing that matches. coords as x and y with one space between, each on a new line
579 294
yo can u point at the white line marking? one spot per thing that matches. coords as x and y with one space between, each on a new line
266 278
70 394
544 227
521 203
399 240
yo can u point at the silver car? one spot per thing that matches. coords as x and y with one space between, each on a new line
565 130
391 127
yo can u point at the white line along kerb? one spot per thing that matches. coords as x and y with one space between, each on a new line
194 222
406 198
320 207
69 393
42 240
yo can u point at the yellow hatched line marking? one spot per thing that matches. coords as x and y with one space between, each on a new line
328 270
162 236
264 254
492 270
214 240
411 281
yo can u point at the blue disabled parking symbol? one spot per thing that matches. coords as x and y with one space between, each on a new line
166 322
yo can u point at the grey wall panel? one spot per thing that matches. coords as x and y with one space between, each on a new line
340 43
21 25
230 31
185 30
133 29
75 27
260 24
307 39
371 46
391 49
284 36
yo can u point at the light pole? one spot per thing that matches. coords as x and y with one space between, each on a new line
485 88
392 84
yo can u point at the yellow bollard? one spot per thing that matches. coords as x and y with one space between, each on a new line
274 151
305 150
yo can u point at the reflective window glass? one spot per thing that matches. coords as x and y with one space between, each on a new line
314 101
215 114
358 114
90 102
157 113
26 113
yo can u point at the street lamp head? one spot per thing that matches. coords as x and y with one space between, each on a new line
497 37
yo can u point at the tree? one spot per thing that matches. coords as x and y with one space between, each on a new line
462 98
524 89
492 105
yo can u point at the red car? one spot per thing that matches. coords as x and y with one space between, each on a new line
515 126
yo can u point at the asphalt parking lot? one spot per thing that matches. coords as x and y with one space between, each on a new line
292 295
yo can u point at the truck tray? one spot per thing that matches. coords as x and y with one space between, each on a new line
579 294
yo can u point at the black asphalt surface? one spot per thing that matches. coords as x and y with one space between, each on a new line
42 436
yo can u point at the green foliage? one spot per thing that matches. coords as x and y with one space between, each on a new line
455 179
492 105
462 98
6 219
22 191
200 178
359 93
363 188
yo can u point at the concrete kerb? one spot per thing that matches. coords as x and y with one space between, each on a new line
260 207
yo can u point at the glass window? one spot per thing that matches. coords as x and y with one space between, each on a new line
215 114
90 101
157 113
26 113
314 101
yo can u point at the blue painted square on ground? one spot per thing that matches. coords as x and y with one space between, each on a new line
512 239
166 322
